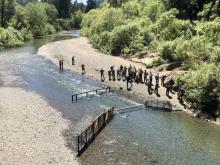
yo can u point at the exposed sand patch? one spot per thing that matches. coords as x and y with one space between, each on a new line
31 130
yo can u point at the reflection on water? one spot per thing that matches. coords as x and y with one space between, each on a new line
139 136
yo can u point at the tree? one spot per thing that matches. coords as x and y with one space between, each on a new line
188 9
63 7
9 10
25 2
37 18
78 6
91 4
210 10
116 3
3 13
20 19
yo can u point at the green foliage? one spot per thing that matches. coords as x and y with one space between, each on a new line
39 18
131 9
20 18
10 38
76 19
210 30
170 28
96 22
7 8
210 10
68 24
203 89
116 3
27 34
156 62
33 18
167 50
154 9
126 40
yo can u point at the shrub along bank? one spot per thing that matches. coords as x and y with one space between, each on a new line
32 20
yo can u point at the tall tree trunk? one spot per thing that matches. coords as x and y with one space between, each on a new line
3 13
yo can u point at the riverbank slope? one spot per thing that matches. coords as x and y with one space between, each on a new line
31 130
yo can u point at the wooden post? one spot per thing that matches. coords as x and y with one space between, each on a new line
76 97
157 105
86 138
72 98
78 143
104 123
93 136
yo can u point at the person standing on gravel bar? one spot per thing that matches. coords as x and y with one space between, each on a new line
118 75
121 69
111 68
110 75
149 88
140 75
171 82
151 78
73 60
157 77
124 73
102 75
129 81
60 65
168 88
156 87
163 78
181 95
83 69
113 74
145 76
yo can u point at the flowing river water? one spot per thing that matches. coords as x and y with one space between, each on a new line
137 136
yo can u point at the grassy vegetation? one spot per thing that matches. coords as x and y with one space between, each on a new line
186 32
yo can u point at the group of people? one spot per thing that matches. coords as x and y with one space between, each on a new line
73 63
132 75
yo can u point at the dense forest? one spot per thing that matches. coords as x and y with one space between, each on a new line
185 32
23 20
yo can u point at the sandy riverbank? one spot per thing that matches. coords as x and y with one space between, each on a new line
94 60
31 130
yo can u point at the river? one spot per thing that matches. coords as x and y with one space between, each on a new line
138 136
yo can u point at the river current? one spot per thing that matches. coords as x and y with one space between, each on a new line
136 136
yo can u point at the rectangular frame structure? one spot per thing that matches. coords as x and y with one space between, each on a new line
87 136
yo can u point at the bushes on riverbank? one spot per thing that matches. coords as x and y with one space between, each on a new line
203 89
10 38
32 20
137 26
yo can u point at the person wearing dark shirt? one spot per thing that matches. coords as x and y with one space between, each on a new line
102 75
73 60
